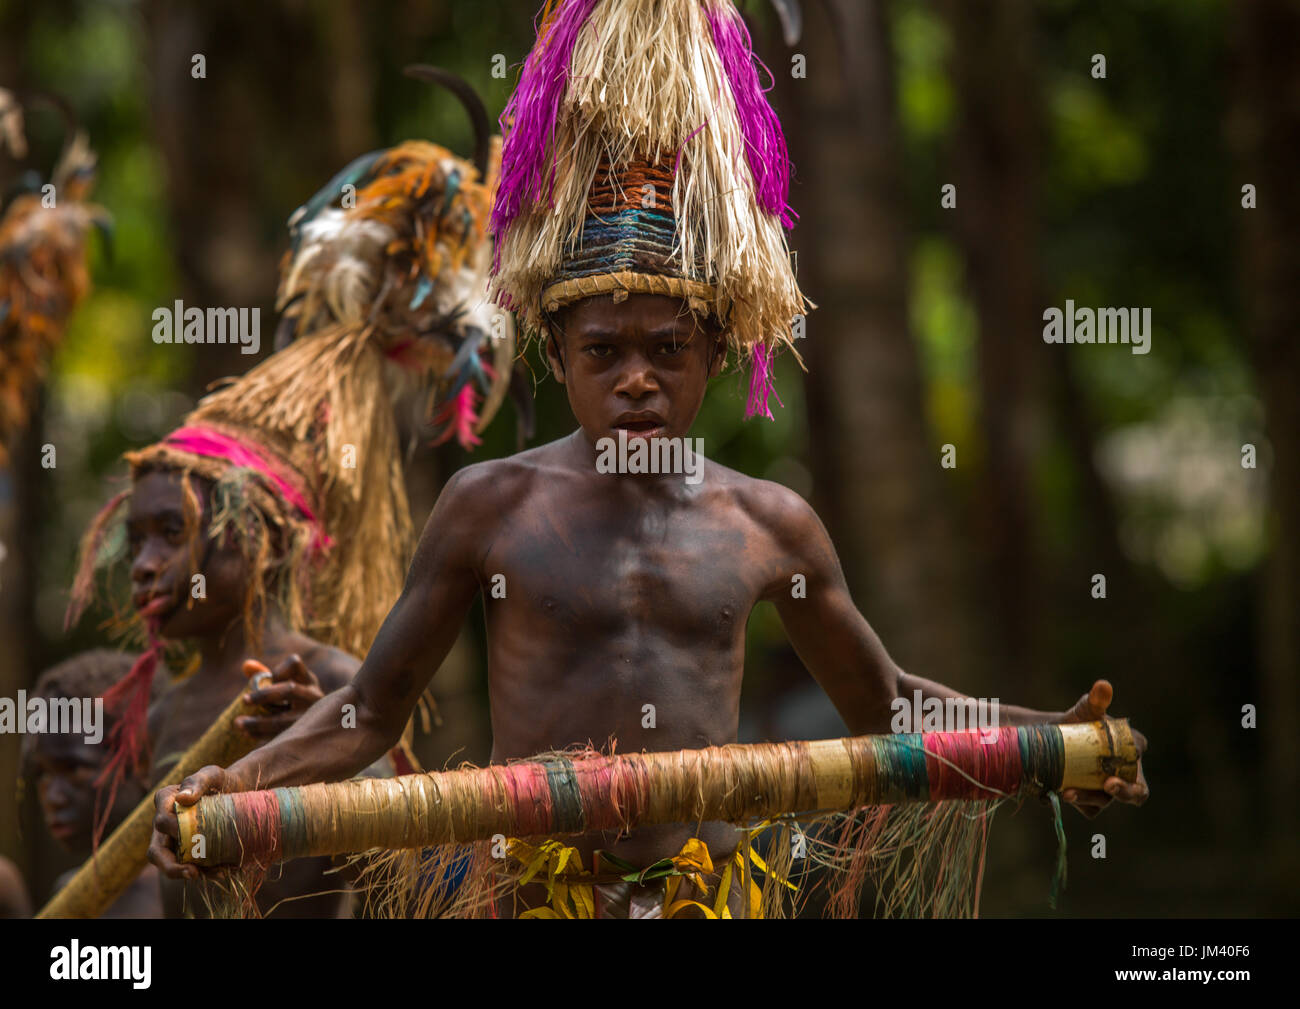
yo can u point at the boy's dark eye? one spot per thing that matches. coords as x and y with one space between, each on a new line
598 350
671 349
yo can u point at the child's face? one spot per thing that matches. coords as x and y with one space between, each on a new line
164 561
64 770
640 366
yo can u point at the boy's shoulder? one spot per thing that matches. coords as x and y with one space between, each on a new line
502 482
772 506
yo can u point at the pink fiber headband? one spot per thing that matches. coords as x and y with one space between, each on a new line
212 444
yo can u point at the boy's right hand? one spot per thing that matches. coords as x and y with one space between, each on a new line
166 828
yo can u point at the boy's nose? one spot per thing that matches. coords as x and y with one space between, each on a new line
55 794
638 380
146 566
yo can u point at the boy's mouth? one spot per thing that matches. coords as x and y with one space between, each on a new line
154 604
63 830
640 425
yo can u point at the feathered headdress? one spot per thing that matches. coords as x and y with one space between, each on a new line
302 453
642 156
395 246
43 272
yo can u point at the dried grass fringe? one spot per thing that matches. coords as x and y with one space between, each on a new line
311 403
920 861
645 78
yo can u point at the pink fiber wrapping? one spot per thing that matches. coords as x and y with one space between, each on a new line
530 117
128 701
211 444
761 384
765 150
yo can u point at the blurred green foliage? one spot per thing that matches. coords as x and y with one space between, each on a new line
1135 204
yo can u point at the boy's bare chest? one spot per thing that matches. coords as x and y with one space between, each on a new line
185 713
607 572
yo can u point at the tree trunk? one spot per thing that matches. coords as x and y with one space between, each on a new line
282 107
1264 130
877 478
995 169
23 485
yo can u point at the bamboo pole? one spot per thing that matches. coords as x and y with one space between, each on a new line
106 874
557 795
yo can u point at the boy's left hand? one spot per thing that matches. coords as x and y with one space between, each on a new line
292 689
1091 707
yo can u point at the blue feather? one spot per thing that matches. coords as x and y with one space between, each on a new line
466 365
453 186
351 174
422 291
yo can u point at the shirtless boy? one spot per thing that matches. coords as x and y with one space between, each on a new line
170 544
303 669
621 589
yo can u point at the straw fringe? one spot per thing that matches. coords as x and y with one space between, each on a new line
318 404
923 861
644 77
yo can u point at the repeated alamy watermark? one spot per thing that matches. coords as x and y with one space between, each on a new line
1102 325
945 714
651 455
193 325
76 716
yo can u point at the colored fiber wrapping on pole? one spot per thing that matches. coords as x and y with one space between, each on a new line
573 793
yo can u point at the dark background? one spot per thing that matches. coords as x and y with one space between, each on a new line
1071 460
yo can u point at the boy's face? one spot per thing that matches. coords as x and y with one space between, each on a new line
165 557
65 768
641 366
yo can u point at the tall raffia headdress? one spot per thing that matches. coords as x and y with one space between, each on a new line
302 452
642 156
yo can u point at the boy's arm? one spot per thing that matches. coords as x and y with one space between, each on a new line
833 638
332 742
846 656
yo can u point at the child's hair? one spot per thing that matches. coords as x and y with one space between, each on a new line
257 501
87 674
236 508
